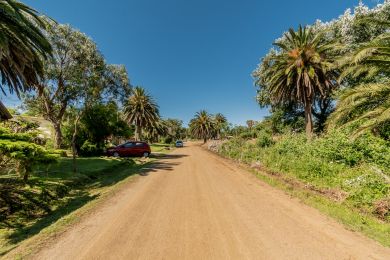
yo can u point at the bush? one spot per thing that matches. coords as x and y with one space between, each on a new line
335 161
264 139
26 155
248 135
61 153
168 140
89 149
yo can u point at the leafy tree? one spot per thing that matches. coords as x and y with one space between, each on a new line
301 72
77 74
141 110
202 125
175 128
22 46
157 130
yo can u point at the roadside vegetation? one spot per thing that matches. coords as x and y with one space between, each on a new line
55 191
327 138
63 80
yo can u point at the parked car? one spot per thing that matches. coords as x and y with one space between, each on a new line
130 149
179 144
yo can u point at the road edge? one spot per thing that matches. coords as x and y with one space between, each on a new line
350 219
49 235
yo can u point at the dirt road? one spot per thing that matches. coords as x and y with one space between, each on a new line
194 205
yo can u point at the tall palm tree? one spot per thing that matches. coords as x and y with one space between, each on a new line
220 121
202 125
155 131
302 71
22 46
141 110
368 104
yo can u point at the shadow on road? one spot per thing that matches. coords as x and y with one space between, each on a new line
164 163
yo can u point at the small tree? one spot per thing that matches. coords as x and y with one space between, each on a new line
20 149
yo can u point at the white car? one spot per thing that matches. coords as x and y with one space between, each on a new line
179 144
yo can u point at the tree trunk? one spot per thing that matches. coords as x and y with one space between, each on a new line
74 150
57 135
308 120
138 133
205 140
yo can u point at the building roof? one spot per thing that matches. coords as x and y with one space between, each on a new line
4 113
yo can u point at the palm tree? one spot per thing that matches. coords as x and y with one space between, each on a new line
302 71
141 110
250 124
22 46
220 121
156 130
368 104
202 125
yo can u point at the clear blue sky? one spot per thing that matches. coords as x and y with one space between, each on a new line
191 54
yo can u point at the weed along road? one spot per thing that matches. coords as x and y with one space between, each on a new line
194 205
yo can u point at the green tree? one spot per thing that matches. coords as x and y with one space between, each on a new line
220 123
157 130
202 125
77 74
301 72
175 128
141 110
22 46
368 104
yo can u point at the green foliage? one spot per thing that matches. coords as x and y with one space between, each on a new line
334 161
300 73
141 110
367 105
89 149
77 76
168 140
264 139
60 153
26 155
249 134
22 45
202 126
19 151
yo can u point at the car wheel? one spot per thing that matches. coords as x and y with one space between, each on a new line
116 154
145 154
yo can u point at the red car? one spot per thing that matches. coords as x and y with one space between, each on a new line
130 149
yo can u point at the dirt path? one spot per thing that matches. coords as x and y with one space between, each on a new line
194 205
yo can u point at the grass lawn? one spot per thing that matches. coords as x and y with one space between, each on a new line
160 148
54 192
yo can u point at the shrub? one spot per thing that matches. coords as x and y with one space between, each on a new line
26 155
89 149
334 161
168 140
264 139
248 135
61 153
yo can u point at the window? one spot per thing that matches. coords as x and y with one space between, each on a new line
129 145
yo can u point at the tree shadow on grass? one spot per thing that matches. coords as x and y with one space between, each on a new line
22 233
78 189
